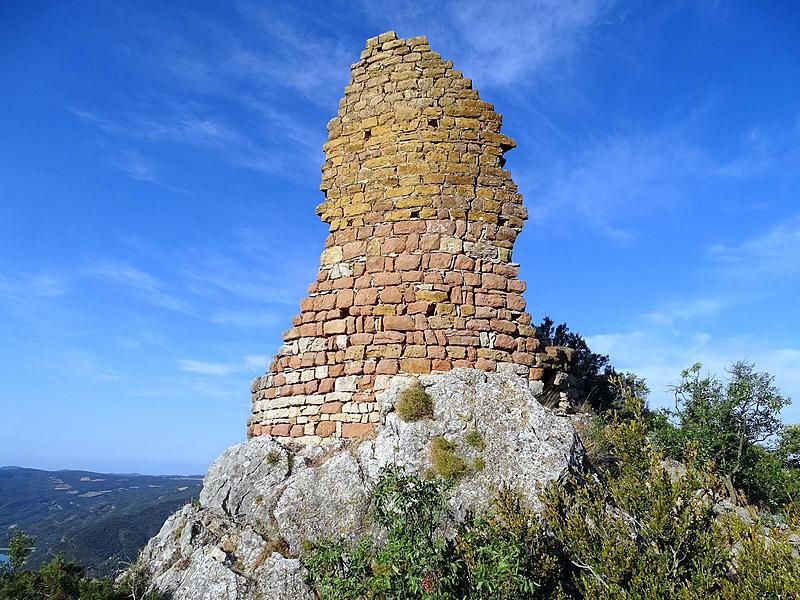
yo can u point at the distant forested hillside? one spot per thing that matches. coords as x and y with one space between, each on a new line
95 519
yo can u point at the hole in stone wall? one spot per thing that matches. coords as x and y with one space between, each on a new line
367 134
502 162
433 122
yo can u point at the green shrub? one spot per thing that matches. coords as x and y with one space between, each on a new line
636 529
446 463
61 579
414 403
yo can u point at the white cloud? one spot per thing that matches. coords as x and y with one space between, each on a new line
250 363
146 286
772 255
497 43
688 310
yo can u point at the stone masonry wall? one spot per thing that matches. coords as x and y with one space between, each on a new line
416 275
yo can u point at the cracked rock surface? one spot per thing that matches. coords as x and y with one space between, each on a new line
261 501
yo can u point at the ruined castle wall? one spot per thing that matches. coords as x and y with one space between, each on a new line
416 276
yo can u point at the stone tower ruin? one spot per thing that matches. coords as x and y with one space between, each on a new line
416 276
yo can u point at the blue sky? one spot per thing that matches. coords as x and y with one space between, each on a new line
159 169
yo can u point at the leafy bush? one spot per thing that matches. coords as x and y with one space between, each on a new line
643 527
60 579
727 423
414 403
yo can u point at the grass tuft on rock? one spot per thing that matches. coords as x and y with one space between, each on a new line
414 403
446 463
475 440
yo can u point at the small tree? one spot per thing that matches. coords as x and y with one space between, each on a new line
19 549
731 424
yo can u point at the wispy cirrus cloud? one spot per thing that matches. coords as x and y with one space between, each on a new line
250 363
685 310
498 44
774 254
146 286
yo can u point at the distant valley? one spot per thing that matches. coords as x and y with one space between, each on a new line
97 519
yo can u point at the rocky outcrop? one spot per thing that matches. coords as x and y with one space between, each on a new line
262 500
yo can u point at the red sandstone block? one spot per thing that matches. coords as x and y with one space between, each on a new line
335 327
365 382
362 282
412 242
389 337
536 374
407 262
282 429
461 363
472 279
384 278
515 302
415 365
387 366
429 241
503 326
375 264
492 281
307 330
393 245
458 339
296 431
464 263
484 364
355 430
311 387
366 297
441 365
398 322
343 283
353 249
391 295
516 285
412 276
434 277
331 408
336 370
344 298
453 278
307 304
440 260
291 334
505 342
361 339
522 358
325 302
256 429
406 227
327 385
509 271
478 325
325 428
420 308
437 352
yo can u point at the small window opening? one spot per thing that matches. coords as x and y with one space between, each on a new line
433 122
502 162
367 134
